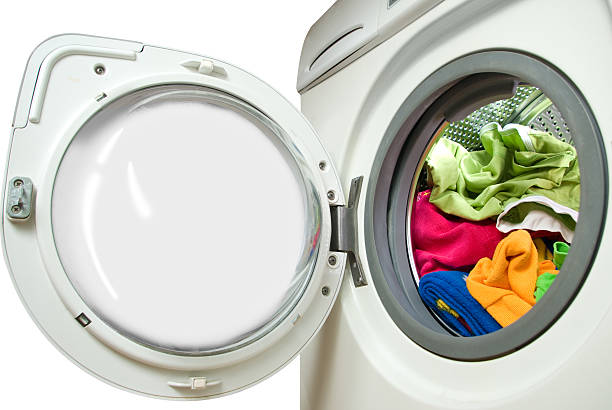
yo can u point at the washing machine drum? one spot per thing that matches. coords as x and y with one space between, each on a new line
479 183
527 109
529 106
167 217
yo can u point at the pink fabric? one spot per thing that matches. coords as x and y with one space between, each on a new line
553 236
446 242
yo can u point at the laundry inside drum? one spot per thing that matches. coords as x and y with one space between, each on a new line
493 211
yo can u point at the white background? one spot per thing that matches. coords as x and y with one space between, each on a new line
262 37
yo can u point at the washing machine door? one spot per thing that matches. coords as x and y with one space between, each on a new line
168 217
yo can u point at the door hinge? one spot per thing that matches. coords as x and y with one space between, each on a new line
344 232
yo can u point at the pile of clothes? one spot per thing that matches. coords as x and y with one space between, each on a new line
491 234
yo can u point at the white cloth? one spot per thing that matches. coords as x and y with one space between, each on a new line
538 220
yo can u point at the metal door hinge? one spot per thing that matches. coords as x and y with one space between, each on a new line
344 232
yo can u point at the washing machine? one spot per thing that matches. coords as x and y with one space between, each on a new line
385 87
177 229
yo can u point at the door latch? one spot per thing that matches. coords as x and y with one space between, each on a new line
19 198
344 232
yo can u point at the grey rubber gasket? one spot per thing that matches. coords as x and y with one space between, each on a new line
391 179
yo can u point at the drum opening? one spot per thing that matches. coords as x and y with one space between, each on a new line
478 150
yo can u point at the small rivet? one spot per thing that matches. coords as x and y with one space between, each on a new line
332 260
322 165
99 69
331 195
18 182
325 291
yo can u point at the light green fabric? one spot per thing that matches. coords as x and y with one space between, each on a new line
478 185
560 252
542 284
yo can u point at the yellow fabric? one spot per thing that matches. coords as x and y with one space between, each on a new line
504 286
443 306
543 252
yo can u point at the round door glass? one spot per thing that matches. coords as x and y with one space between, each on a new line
184 221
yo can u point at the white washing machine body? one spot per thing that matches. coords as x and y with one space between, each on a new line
362 359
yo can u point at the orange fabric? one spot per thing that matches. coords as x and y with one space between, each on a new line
504 286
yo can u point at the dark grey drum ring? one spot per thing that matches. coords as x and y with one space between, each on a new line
395 166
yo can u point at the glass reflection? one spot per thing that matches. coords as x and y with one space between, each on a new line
199 219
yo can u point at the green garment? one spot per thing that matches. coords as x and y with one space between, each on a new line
478 185
560 252
542 284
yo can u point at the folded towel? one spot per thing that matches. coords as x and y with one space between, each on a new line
446 292
505 285
446 242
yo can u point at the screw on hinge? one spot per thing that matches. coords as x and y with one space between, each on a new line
331 195
332 260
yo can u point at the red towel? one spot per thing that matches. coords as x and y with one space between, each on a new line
444 242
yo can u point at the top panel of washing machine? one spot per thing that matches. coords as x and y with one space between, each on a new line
349 29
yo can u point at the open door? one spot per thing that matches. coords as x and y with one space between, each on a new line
167 217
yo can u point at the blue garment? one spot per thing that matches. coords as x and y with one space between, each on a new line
446 293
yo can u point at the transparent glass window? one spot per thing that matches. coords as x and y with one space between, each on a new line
184 220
